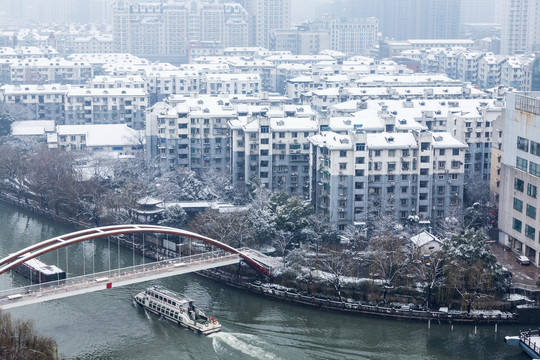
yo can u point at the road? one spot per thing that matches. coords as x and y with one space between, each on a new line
520 274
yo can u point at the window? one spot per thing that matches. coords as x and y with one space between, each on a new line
522 144
535 148
516 224
360 146
529 232
518 205
531 190
455 151
534 169
521 163
519 184
441 151
342 166
531 211
377 152
360 160
342 153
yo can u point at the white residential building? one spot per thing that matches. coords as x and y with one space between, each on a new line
519 220
84 106
416 174
46 102
232 83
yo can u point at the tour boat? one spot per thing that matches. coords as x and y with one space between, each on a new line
176 308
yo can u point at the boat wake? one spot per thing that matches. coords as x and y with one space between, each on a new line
247 344
147 315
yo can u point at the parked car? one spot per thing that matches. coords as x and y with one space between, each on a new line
523 260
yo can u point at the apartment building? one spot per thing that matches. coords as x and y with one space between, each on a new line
353 37
93 44
265 16
520 31
48 71
302 40
469 120
232 84
84 106
190 131
271 144
165 28
414 175
43 101
519 223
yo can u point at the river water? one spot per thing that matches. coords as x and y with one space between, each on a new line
106 324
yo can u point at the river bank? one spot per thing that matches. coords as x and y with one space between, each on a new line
278 293
402 313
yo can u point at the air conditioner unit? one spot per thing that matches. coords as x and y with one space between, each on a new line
392 183
449 181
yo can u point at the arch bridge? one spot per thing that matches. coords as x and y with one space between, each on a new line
226 255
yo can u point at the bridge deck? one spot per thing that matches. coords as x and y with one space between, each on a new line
114 278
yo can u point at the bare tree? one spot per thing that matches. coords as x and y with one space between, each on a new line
228 227
19 341
51 176
389 257
12 167
430 274
282 242
338 264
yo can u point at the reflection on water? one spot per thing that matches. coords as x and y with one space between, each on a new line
106 324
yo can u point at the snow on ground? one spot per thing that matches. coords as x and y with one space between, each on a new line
516 297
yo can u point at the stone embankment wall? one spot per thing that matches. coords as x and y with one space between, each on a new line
358 308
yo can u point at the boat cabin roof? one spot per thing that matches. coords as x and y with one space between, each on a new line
180 299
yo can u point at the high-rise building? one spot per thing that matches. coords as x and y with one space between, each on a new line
519 223
520 31
353 37
477 11
266 16
404 19
305 39
157 29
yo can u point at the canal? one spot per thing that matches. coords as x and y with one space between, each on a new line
106 325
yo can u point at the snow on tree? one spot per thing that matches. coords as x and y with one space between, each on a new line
338 264
390 257
319 231
429 273
5 123
173 216
471 268
232 228
290 213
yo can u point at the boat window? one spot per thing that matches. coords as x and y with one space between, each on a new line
160 298
174 303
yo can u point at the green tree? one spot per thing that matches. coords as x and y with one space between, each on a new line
5 123
289 212
173 216
472 269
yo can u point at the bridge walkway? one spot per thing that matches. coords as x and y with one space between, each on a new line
32 294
